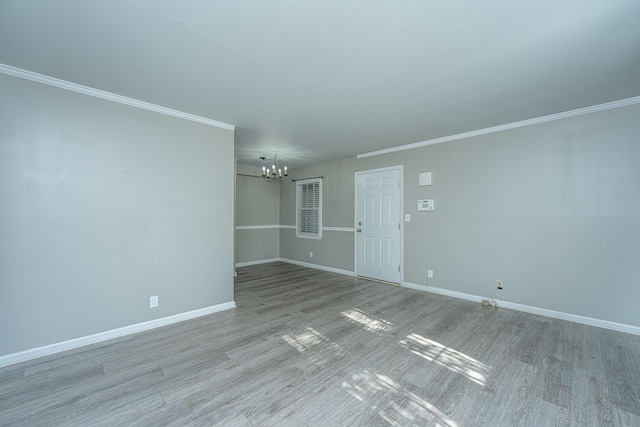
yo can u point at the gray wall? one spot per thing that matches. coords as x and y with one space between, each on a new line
551 209
257 205
335 250
101 206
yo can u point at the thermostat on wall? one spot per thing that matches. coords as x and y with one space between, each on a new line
426 205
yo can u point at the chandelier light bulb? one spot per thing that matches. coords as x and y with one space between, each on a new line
274 173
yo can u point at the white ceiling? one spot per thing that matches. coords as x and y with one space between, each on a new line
318 80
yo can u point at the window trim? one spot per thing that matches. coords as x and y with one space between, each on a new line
306 235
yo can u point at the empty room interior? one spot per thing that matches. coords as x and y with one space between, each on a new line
329 213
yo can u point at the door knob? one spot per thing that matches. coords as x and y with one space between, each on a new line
359 230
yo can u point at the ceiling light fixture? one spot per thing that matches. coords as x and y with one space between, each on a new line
274 173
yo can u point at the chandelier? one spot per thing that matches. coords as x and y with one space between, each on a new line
273 174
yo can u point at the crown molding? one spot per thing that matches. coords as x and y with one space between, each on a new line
97 93
544 119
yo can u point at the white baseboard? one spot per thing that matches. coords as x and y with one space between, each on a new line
318 267
440 291
620 327
260 261
300 263
47 350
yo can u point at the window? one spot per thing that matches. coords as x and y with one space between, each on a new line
309 208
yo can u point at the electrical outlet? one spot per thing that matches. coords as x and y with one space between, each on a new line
499 284
310 254
153 301
430 274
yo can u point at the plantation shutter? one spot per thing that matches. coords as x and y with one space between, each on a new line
309 208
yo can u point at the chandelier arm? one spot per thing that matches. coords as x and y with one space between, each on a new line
273 174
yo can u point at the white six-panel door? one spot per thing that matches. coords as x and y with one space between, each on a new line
378 213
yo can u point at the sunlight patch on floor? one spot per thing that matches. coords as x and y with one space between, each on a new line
447 357
394 403
319 348
368 322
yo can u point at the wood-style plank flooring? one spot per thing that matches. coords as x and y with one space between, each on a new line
306 347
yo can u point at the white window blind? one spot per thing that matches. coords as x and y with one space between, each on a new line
309 208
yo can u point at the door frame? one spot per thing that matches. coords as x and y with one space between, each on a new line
400 169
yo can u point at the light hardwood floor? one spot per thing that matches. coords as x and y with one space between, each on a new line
306 347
